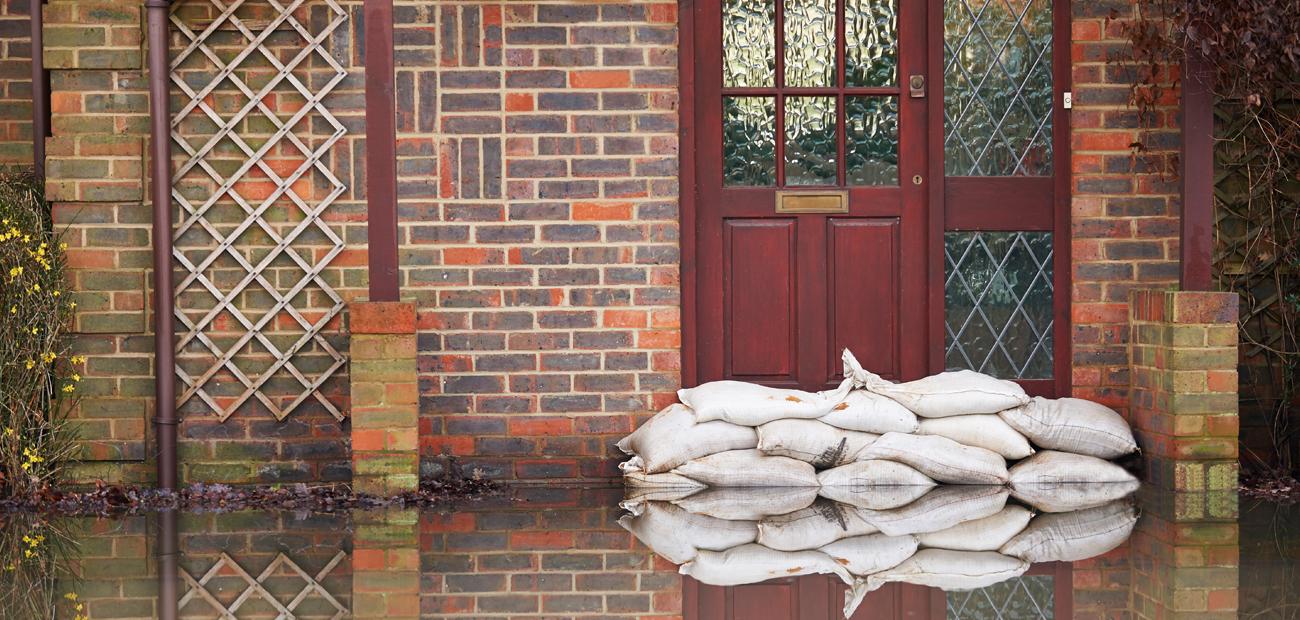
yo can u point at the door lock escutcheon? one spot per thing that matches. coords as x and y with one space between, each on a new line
916 86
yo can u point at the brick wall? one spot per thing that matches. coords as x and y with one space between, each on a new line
1125 209
15 83
538 160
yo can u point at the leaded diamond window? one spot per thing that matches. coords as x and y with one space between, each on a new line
998 295
1030 597
998 87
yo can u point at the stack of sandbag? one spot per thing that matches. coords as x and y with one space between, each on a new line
950 537
958 427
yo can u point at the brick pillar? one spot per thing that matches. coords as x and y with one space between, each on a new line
385 398
1184 397
386 565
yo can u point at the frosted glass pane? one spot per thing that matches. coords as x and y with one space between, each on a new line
749 43
810 43
871 151
871 42
998 87
810 141
749 141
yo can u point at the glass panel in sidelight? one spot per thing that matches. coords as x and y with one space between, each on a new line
811 150
749 141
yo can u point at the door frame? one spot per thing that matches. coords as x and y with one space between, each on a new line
688 192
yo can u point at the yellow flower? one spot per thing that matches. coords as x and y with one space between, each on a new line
76 377
78 359
9 431
63 246
31 364
56 293
68 388
13 309
71 596
49 356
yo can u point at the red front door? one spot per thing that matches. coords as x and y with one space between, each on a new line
810 197
814 597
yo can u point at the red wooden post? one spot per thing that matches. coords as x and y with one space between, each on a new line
381 152
1197 173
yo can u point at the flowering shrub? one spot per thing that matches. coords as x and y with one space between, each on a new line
38 376
35 568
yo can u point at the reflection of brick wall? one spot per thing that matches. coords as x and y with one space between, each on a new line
538 161
546 558
15 83
1125 210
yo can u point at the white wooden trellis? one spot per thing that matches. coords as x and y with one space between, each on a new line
224 74
225 566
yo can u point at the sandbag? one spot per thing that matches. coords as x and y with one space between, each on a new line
813 442
873 473
987 534
666 480
981 431
1072 536
678 535
876 498
750 404
1052 467
820 524
952 570
749 468
1072 496
864 555
748 503
940 509
1073 425
673 437
961 392
753 563
871 413
941 458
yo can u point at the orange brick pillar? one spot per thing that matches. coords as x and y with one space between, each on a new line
1183 368
386 564
385 398
1185 556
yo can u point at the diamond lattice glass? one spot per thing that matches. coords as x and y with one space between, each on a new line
1030 597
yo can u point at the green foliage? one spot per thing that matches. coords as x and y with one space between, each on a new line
38 376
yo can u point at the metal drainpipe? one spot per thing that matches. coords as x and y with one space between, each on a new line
40 90
160 134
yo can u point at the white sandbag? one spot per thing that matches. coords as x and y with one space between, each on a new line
941 458
748 503
981 431
750 404
876 498
813 442
940 509
749 468
1072 496
673 437
872 553
873 473
1073 425
1073 536
1052 467
987 534
634 493
953 570
666 480
871 413
748 564
818 525
961 392
678 535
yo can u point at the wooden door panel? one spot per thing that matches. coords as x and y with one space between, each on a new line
812 597
760 270
863 260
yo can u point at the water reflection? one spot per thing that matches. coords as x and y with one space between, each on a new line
562 553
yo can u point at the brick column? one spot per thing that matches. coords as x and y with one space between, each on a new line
386 565
1184 397
385 398
1185 556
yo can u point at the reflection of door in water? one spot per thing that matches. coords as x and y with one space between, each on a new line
815 597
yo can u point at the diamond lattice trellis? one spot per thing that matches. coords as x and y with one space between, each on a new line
1031 597
998 303
256 588
254 182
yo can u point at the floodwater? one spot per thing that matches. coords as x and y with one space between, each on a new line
562 552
